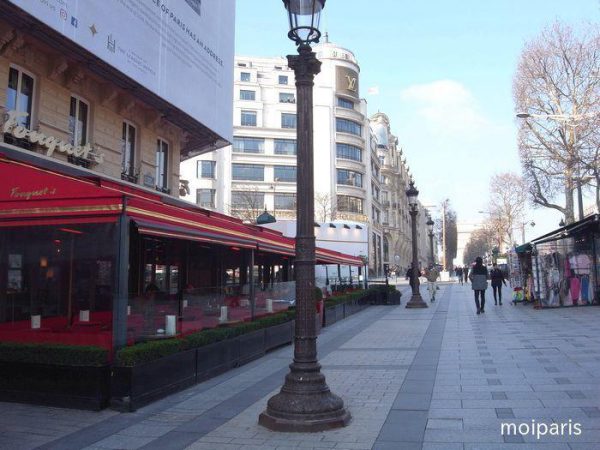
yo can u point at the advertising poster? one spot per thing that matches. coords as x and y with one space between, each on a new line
182 50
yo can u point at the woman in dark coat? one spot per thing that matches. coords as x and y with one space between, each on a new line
478 277
497 277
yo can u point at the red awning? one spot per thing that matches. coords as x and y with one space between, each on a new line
325 256
32 195
164 229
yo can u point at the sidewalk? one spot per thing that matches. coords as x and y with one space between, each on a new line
439 378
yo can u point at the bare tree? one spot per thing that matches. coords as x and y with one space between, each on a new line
325 210
557 85
247 203
508 197
482 241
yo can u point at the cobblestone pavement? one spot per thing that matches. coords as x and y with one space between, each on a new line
439 378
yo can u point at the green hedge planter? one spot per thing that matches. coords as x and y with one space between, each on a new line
57 375
146 372
55 385
136 386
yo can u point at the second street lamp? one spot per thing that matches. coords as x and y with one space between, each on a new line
416 301
305 402
430 224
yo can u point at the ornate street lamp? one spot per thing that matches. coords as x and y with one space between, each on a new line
265 218
305 402
430 224
416 301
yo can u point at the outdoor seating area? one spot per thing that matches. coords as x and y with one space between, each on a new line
96 332
203 308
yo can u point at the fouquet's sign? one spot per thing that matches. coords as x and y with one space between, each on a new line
17 193
52 144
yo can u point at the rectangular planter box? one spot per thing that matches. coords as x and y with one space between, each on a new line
333 314
133 387
214 359
351 308
329 316
62 386
393 298
279 335
252 346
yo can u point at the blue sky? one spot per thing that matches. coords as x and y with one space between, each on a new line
444 74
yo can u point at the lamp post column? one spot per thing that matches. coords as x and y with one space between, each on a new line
305 402
431 257
430 223
416 301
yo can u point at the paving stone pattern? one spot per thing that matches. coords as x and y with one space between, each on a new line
438 378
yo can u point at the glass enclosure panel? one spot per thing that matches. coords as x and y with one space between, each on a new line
184 287
57 284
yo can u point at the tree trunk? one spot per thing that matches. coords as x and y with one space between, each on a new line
569 205
598 194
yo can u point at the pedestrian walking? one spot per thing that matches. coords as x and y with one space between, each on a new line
497 277
459 274
432 276
478 277
411 279
466 273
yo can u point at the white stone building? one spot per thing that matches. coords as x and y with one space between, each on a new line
258 172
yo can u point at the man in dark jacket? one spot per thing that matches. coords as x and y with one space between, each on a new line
497 277
411 278
478 276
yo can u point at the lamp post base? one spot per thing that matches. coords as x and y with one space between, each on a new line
416 301
304 404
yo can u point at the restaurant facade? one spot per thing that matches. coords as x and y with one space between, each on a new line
95 246
87 260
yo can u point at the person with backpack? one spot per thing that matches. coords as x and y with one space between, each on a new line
497 277
478 276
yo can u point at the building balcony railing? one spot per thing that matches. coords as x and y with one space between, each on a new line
132 178
163 189
82 162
